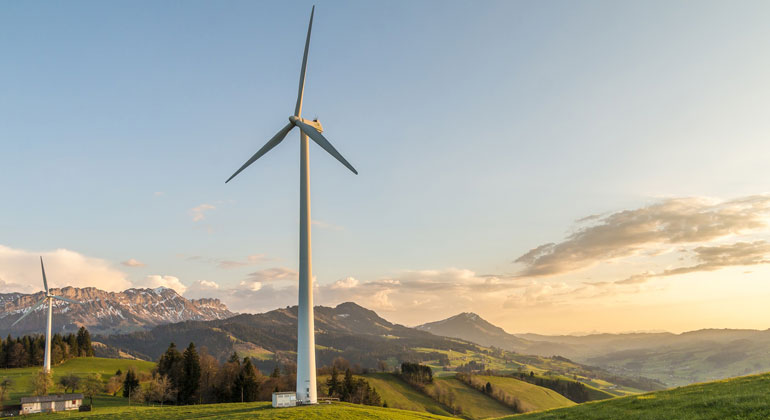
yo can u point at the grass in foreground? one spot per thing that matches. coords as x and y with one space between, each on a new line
242 411
742 398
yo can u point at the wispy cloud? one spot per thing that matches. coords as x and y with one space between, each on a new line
676 221
131 262
712 258
198 213
224 263
324 225
250 260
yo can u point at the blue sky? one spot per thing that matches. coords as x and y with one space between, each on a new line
481 130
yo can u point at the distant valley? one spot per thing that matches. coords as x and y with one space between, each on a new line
674 359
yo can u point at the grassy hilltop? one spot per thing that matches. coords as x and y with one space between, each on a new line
741 398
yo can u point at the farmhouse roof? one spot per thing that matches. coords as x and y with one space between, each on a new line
48 398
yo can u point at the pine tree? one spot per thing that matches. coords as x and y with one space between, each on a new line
247 382
347 386
191 375
130 383
84 343
333 383
170 364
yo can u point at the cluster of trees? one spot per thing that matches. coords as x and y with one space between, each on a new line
511 401
472 367
575 391
356 391
29 350
195 377
415 373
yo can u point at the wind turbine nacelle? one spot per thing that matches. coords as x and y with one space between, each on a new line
313 123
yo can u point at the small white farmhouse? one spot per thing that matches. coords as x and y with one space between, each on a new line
284 399
51 403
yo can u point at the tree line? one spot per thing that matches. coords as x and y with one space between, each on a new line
195 377
29 350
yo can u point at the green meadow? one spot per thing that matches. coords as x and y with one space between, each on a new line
741 398
81 366
532 397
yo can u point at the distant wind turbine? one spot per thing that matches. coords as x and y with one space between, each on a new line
306 372
47 299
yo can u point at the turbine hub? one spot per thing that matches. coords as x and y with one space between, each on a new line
313 123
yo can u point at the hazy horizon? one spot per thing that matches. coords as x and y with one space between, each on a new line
553 167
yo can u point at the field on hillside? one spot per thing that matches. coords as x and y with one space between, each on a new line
742 398
473 403
80 366
546 367
242 411
532 397
398 394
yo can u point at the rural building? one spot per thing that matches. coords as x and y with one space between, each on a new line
284 399
51 403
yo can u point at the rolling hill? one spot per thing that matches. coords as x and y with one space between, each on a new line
532 397
347 330
740 398
398 394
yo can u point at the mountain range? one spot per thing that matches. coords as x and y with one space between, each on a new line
142 322
347 330
107 312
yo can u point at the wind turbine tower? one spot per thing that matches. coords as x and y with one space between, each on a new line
48 299
306 371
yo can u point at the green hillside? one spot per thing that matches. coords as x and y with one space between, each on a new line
239 411
742 398
532 397
398 394
80 366
471 402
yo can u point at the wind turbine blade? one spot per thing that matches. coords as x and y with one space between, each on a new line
321 140
66 299
32 309
266 148
45 282
298 108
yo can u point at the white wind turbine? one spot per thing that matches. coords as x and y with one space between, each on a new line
47 299
306 372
